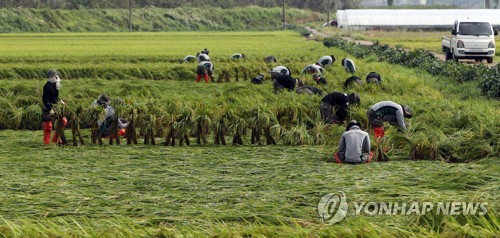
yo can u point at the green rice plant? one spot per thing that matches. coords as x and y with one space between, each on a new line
31 115
297 135
318 130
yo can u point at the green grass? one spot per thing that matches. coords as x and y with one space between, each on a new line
207 187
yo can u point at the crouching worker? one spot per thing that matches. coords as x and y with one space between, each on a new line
205 69
105 125
388 111
333 106
259 79
354 145
285 82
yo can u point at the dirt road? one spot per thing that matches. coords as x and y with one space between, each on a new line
364 42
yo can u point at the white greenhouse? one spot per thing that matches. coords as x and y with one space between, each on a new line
413 19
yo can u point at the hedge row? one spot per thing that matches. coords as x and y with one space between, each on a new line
488 79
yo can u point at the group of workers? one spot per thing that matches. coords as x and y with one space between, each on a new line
354 145
50 97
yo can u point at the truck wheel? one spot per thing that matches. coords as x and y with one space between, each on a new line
448 55
489 60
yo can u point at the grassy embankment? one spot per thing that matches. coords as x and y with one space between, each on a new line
23 20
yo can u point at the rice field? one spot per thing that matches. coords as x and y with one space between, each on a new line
214 190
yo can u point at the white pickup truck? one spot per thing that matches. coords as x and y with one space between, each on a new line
470 40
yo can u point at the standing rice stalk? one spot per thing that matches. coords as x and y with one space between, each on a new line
131 134
74 122
60 137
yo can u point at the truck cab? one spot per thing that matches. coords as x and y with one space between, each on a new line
470 40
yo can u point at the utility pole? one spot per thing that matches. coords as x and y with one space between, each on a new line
284 18
130 15
328 13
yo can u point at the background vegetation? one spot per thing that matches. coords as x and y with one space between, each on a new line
151 19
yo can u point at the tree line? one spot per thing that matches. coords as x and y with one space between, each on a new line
314 5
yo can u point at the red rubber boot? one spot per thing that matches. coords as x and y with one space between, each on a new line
47 129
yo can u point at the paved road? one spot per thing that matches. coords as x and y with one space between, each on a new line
364 42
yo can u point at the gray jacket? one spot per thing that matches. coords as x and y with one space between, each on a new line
391 112
354 146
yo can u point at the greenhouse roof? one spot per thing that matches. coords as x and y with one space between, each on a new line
433 18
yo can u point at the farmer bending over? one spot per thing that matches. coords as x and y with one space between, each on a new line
237 56
333 106
105 125
388 111
349 65
205 69
313 69
279 70
373 77
285 82
326 60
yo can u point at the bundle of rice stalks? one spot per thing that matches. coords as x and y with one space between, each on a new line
201 123
183 125
238 127
94 114
59 124
131 134
73 112
120 109
220 128
149 128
